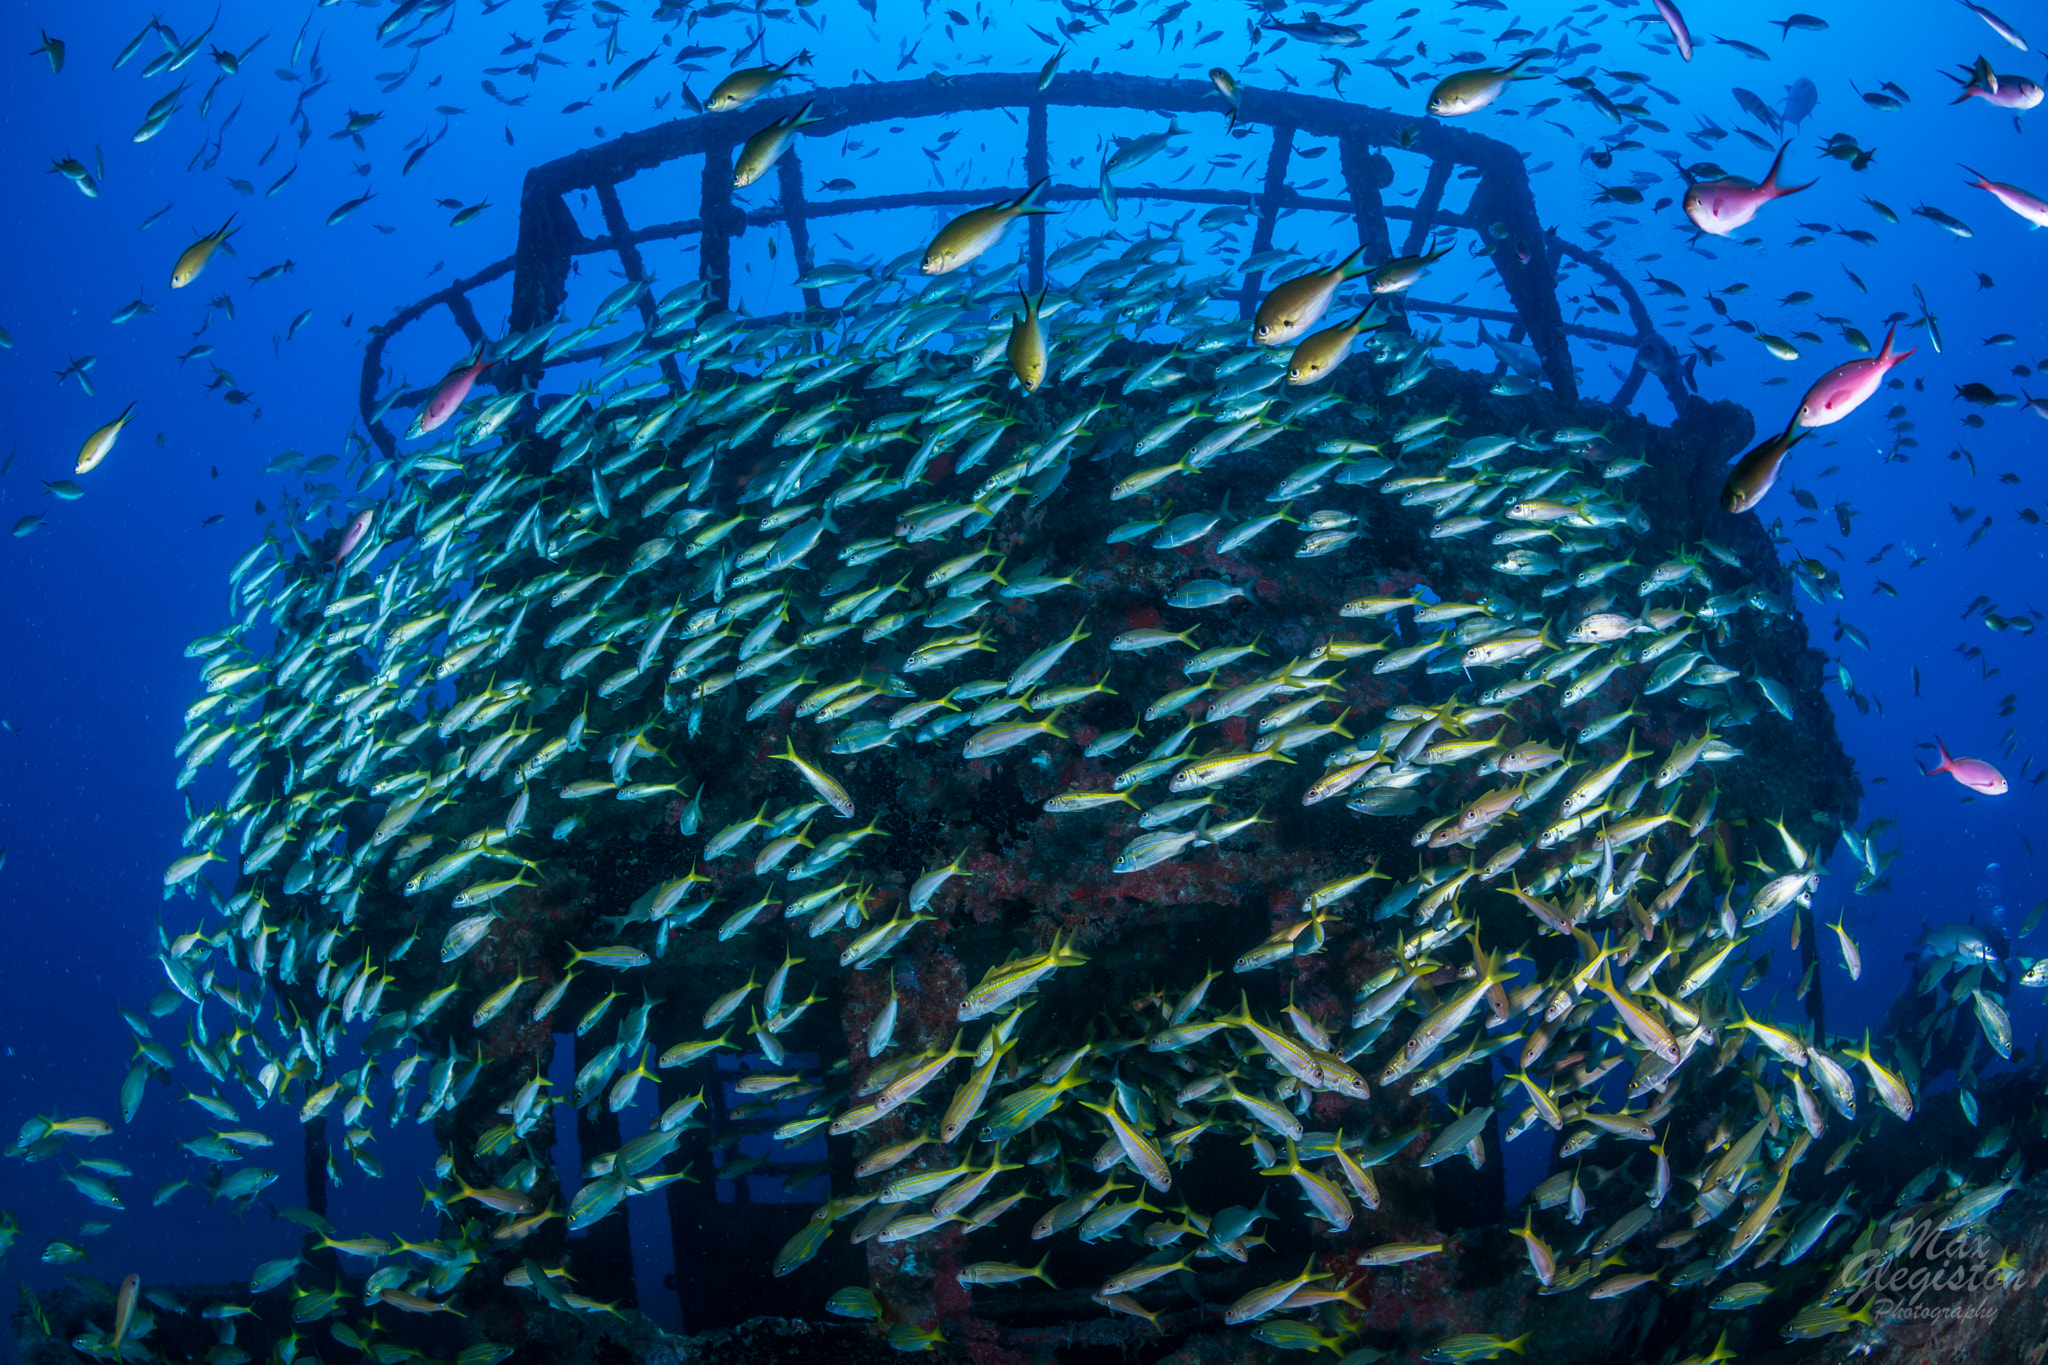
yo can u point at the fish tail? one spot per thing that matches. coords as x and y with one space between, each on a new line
1770 183
1887 357
1027 202
1349 266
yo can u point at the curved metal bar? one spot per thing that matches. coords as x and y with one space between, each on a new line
1653 352
1502 210
456 298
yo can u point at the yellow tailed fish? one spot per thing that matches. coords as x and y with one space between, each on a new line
101 442
978 230
1298 304
743 86
1027 343
194 257
1320 353
766 147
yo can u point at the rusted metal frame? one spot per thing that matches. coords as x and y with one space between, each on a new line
715 135
885 101
465 318
1652 351
549 237
767 217
1426 206
623 244
658 232
716 212
1502 315
1626 394
1663 360
1421 219
1809 958
1269 202
1502 196
635 268
1354 158
1037 167
1064 194
373 353
789 175
548 233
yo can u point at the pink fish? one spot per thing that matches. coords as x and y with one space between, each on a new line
2027 206
1680 34
1843 389
353 536
448 396
1973 773
2004 92
1721 206
1998 25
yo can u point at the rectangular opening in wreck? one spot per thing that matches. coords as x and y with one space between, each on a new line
746 1136
666 194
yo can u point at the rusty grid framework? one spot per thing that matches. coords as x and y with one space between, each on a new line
550 239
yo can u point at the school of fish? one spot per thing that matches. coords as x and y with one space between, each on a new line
742 617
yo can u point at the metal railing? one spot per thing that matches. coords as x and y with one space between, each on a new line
1501 212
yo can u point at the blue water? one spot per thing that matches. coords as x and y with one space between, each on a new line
101 599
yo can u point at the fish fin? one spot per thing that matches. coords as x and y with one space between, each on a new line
1027 202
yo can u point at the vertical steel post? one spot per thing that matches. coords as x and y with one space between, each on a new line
1037 166
714 239
1269 212
789 177
630 262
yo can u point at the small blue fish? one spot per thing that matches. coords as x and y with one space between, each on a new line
1205 592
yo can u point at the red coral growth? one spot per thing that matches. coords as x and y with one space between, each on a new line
978 1337
949 1298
